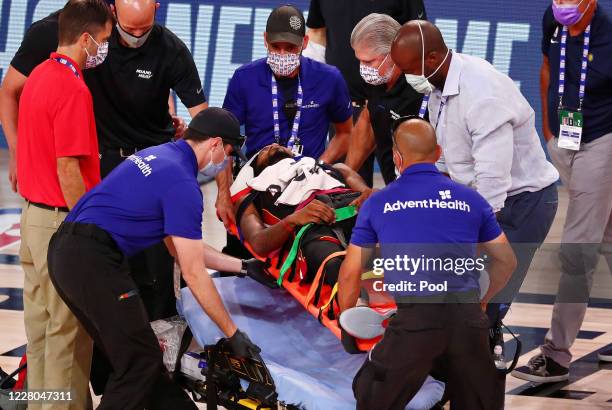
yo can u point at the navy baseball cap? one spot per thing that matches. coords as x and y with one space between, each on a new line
219 122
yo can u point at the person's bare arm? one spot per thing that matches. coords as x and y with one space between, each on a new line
349 279
544 84
223 204
70 179
502 264
353 179
213 258
193 111
264 240
317 35
9 107
190 254
362 142
338 146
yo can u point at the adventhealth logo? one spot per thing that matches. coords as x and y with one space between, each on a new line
143 166
445 202
445 194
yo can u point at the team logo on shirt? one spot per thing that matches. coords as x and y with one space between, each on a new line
150 158
146 74
445 202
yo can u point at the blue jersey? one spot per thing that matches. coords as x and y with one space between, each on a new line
326 100
151 195
428 227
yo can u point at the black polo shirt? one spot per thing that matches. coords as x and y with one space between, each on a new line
38 43
597 105
131 88
384 108
339 17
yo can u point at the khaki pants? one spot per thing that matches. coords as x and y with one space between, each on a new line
587 234
58 349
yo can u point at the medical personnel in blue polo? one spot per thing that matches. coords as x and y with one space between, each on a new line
428 228
152 196
288 99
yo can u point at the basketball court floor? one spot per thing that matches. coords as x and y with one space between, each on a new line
590 384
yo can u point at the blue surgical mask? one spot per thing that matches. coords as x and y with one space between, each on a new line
211 169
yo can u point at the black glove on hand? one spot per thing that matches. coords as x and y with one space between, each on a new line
255 269
242 346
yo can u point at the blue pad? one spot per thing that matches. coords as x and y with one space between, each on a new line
309 366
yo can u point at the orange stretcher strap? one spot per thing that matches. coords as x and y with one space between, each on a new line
317 278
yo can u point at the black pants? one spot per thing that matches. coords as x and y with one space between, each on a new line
92 277
420 335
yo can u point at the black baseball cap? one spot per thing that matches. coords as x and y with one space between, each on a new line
286 23
219 122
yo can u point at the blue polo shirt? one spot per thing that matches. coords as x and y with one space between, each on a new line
597 105
326 101
152 194
432 220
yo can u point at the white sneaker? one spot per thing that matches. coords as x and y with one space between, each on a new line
364 322
605 355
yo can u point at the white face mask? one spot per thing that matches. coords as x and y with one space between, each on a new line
283 64
97 59
397 171
211 169
420 83
372 76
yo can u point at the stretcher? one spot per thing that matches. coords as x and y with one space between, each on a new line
309 369
287 266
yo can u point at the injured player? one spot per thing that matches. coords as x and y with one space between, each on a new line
275 194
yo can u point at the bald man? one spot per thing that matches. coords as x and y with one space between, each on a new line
418 221
489 141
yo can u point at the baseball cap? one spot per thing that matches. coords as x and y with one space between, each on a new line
286 23
219 122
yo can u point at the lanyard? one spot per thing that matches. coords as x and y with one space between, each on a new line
67 64
424 108
583 67
293 140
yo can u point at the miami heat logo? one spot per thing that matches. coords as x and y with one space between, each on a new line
9 227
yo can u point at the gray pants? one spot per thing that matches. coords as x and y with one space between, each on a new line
587 174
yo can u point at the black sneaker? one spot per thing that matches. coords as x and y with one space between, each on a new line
605 355
542 369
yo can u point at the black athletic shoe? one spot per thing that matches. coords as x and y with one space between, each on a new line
606 354
542 369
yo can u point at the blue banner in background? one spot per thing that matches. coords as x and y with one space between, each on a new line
224 34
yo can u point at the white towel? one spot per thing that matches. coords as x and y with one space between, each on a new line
297 180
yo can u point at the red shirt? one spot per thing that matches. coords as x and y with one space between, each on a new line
56 119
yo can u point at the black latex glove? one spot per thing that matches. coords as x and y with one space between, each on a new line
255 269
242 346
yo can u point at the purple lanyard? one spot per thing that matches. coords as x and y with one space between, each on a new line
68 64
583 67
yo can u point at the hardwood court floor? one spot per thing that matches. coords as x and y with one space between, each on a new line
590 385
